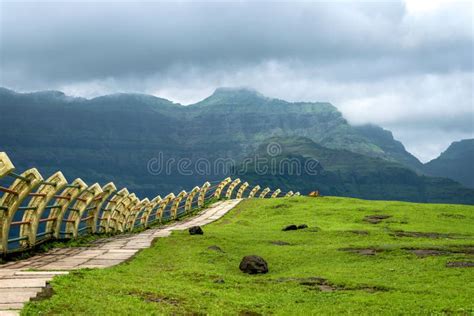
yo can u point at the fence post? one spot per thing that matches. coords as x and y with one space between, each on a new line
176 201
221 186
231 188
109 208
11 201
63 202
37 205
189 200
6 165
254 191
163 204
275 194
79 207
202 194
147 212
242 188
132 217
264 193
120 209
107 191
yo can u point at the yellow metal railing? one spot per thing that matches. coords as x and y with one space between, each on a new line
34 210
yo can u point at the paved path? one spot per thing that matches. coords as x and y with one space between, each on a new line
18 285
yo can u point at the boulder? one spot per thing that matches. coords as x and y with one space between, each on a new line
253 265
195 230
302 226
290 227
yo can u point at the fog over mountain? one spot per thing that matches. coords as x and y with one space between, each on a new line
129 138
404 65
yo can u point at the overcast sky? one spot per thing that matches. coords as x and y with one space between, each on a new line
404 65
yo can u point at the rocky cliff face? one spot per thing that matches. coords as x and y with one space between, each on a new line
457 163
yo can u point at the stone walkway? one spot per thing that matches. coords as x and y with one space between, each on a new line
18 284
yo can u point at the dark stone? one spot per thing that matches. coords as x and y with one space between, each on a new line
429 252
362 251
45 293
279 243
375 219
253 265
302 226
215 248
195 230
249 313
359 232
290 227
452 215
431 235
460 264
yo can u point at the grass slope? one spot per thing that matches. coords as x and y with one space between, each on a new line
178 274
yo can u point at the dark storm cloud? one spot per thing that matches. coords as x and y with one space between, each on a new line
64 41
404 65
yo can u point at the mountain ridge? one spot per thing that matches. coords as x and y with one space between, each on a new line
455 162
344 173
114 137
248 100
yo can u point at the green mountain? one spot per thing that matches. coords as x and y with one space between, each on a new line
255 118
303 165
457 163
393 150
152 145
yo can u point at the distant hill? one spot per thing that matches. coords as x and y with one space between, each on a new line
393 149
344 173
115 137
457 163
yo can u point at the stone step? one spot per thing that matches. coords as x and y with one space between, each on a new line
17 297
40 272
10 309
23 283
20 289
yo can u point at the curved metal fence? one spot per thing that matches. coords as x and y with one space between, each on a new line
34 210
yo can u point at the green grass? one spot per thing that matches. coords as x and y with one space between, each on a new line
177 275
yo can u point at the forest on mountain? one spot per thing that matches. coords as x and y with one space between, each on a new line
125 137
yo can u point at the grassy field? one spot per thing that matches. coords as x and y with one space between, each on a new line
341 264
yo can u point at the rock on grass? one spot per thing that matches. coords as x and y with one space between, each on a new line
290 227
253 264
375 219
294 227
195 230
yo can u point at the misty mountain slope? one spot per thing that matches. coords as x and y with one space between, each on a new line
344 173
393 149
262 117
457 163
115 137
228 117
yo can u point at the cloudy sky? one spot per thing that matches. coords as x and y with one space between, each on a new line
405 65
